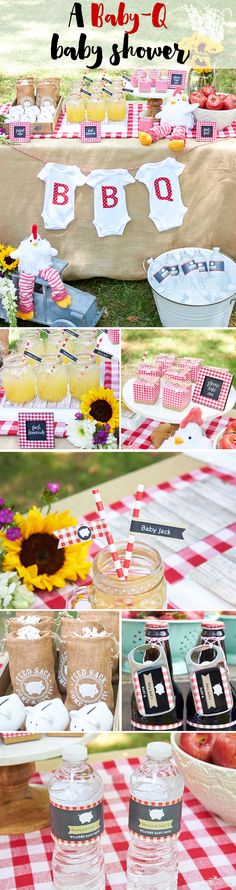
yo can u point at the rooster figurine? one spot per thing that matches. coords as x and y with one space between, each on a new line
35 258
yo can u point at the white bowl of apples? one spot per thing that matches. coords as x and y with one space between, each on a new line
213 106
207 761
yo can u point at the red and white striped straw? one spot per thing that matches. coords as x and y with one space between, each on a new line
128 555
144 356
131 539
108 535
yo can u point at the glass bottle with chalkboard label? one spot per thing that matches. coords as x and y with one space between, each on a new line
156 701
211 701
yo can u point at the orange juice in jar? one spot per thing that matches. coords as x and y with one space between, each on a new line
116 106
75 109
18 379
84 374
145 587
96 107
32 344
51 377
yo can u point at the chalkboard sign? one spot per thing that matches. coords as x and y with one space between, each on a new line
91 132
212 387
206 131
176 79
36 429
101 352
19 132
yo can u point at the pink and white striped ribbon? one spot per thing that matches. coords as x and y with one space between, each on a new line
109 537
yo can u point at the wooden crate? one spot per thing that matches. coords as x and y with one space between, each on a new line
46 128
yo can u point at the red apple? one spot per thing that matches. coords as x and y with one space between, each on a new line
231 426
229 102
228 441
224 749
198 97
208 91
214 103
198 744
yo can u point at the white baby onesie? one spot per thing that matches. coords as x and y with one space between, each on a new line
59 199
110 210
162 181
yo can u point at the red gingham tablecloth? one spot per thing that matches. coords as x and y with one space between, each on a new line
178 564
207 846
110 379
139 437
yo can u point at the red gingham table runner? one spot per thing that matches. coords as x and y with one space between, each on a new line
110 379
207 846
122 130
125 130
139 438
178 564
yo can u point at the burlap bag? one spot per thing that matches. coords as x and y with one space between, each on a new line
32 668
44 625
110 623
89 671
69 625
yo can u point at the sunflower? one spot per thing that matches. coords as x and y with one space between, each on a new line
7 263
102 406
35 555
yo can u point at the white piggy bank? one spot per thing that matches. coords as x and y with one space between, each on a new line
47 716
91 717
12 713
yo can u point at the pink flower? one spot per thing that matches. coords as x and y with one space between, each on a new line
53 487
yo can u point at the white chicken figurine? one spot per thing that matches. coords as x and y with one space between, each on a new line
35 258
177 112
189 436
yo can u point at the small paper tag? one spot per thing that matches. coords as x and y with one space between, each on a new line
36 358
71 332
216 266
202 266
162 274
101 352
190 266
154 528
68 355
174 270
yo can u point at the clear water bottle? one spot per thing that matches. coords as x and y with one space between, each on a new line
220 284
156 792
76 812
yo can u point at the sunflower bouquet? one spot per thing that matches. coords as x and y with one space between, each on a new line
29 548
8 294
96 425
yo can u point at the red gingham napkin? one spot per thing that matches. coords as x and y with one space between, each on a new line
139 438
207 846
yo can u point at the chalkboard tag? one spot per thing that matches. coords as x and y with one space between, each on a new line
69 355
156 529
162 273
102 353
84 533
216 266
152 682
190 266
36 429
36 358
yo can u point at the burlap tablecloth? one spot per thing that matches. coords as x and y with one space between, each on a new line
208 187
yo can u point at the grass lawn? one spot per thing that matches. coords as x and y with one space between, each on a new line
23 479
214 347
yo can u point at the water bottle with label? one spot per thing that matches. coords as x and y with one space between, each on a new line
76 813
219 277
156 793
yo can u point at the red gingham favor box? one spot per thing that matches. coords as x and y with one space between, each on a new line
146 391
176 395
194 365
168 362
177 373
114 335
147 369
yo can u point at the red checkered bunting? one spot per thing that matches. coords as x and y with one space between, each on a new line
220 374
207 846
176 395
36 417
146 390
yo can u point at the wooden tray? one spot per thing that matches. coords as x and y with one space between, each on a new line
46 128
